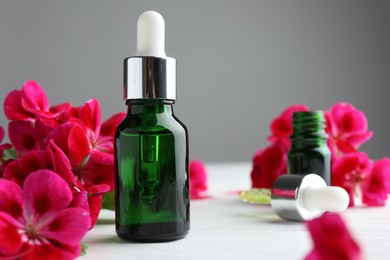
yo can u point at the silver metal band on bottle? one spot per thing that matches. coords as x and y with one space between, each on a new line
286 196
149 78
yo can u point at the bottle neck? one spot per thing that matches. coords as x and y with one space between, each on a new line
308 129
149 106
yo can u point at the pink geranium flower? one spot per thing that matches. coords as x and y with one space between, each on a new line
100 136
376 187
281 127
89 144
31 103
347 128
38 221
359 177
53 158
268 165
86 142
27 136
198 180
332 239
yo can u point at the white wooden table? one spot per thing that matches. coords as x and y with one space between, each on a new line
226 228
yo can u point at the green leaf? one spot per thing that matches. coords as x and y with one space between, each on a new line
108 200
84 248
9 154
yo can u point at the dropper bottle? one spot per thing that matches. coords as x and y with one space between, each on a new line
151 144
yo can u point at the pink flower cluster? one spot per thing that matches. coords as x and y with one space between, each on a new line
271 162
353 170
67 142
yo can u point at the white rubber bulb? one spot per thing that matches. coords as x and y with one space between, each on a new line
333 199
151 35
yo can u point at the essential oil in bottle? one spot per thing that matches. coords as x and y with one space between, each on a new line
151 145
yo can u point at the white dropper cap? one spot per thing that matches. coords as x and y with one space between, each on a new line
151 35
332 199
150 74
304 197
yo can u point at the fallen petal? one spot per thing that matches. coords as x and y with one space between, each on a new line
331 239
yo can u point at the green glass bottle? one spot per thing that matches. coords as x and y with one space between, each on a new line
309 151
151 148
152 202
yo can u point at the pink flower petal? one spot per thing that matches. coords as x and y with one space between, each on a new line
60 136
196 195
45 191
34 96
11 198
37 113
281 127
375 188
348 126
198 177
338 110
95 205
73 112
358 139
353 121
91 116
13 108
268 165
58 111
22 136
18 171
43 128
49 123
99 169
105 144
109 126
80 200
78 145
72 140
383 165
332 239
11 240
288 112
328 123
351 167
53 251
2 134
350 171
61 164
98 189
344 147
67 227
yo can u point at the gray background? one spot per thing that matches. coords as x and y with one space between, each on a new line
240 63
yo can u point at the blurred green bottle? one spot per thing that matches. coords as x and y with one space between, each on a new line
309 151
